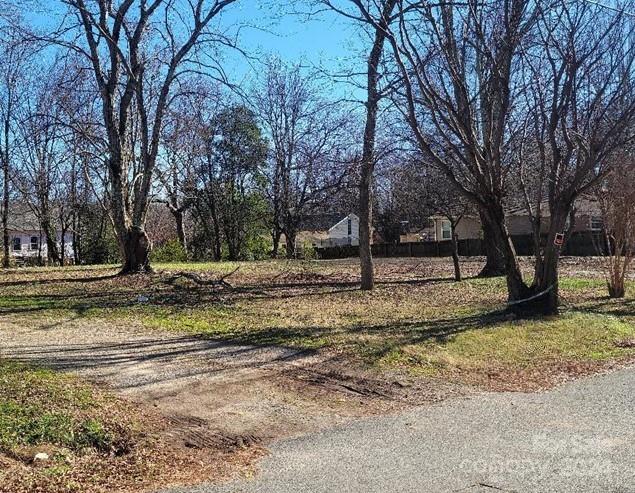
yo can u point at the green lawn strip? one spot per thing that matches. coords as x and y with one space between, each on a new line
571 337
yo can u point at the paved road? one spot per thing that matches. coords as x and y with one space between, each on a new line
577 438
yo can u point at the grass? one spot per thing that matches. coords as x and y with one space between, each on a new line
41 407
415 320
95 442
89 436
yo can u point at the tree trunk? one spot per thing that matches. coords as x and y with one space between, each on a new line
51 239
291 239
544 289
616 290
180 230
275 237
63 245
494 220
6 259
455 255
494 253
136 251
368 152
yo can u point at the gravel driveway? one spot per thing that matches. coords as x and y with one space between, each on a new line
267 392
577 438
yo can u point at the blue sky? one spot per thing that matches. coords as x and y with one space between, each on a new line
326 40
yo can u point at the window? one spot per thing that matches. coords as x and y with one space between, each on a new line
596 223
350 227
17 244
446 230
35 243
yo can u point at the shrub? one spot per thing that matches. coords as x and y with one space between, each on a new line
257 248
308 251
172 251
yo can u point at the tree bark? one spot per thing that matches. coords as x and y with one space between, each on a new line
6 258
455 255
275 237
494 253
50 234
180 229
544 289
137 249
368 150
291 238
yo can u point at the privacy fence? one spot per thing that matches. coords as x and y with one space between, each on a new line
578 245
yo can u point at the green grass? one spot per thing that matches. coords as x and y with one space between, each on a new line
41 407
572 336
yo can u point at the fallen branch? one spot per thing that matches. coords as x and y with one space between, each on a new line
221 282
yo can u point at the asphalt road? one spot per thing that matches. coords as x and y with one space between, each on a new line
577 438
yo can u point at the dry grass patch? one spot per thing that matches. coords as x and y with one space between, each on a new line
93 441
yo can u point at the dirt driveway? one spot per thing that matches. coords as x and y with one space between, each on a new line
207 387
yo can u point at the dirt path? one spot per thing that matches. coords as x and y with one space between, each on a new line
204 386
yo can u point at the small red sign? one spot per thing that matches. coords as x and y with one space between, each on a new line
559 239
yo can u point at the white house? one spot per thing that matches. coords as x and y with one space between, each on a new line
28 241
345 232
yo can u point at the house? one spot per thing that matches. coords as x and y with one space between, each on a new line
345 231
28 241
324 230
588 218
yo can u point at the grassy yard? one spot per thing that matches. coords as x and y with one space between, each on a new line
85 439
416 321
91 439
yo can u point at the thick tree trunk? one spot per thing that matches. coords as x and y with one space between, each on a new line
494 252
616 290
365 227
53 253
544 289
136 251
275 238
517 291
455 255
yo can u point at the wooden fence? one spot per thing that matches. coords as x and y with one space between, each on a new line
578 245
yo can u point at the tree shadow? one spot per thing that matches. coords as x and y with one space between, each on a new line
148 361
618 307
62 280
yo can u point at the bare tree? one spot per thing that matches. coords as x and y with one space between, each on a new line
376 15
616 197
443 197
309 137
43 155
137 50
183 147
462 73
14 60
581 109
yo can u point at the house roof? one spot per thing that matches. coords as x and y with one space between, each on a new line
319 222
345 218
22 218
